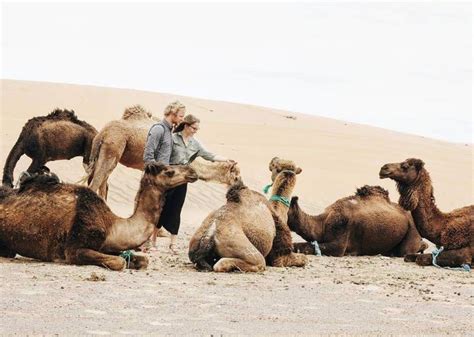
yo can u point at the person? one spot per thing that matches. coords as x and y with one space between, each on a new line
159 141
184 150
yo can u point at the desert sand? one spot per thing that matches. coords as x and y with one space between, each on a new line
350 295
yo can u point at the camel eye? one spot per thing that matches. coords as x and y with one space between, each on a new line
405 166
169 173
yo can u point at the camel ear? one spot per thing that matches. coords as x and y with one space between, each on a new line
298 170
419 164
272 163
294 200
154 168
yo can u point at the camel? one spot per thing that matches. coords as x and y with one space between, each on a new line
248 232
59 135
51 221
453 231
366 223
123 141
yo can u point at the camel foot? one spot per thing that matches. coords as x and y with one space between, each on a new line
82 256
303 248
5 252
227 264
138 262
410 257
162 233
424 260
290 260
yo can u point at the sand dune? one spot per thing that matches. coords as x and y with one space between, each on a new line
336 157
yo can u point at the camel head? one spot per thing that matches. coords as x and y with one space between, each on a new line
165 177
278 165
232 173
284 183
406 172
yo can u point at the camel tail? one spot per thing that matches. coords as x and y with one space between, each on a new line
203 254
15 153
93 158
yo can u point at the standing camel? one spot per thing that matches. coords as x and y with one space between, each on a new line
366 223
247 232
59 135
51 221
123 141
454 231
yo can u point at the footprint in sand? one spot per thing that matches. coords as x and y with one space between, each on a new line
95 312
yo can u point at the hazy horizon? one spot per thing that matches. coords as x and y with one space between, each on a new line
405 67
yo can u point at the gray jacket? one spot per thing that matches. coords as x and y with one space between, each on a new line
158 143
183 154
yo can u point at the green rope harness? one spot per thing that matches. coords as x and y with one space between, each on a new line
267 188
283 200
127 255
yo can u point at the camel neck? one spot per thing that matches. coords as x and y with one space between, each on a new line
308 227
134 231
420 200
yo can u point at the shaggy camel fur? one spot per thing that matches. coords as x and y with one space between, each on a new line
247 232
51 221
59 135
366 223
123 141
454 230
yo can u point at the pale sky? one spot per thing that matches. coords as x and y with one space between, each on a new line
401 66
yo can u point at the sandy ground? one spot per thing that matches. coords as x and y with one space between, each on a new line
350 295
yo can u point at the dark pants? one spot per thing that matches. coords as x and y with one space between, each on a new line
171 213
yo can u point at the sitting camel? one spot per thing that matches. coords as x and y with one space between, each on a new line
59 135
366 223
248 232
52 221
453 231
123 141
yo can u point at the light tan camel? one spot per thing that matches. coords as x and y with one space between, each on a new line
454 231
366 223
247 232
51 221
123 141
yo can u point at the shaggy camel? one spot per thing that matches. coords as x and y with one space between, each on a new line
51 221
366 223
59 135
277 165
247 232
123 141
453 231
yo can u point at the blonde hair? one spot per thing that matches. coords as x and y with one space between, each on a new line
174 107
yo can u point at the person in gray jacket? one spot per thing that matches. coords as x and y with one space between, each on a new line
159 140
185 149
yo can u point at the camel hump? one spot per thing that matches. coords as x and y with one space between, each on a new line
367 191
136 112
63 114
233 194
41 180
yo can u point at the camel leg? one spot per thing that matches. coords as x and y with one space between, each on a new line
138 262
238 253
290 260
35 165
83 256
104 190
108 159
410 245
6 252
447 258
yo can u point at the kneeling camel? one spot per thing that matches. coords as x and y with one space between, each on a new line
52 221
366 223
454 231
248 232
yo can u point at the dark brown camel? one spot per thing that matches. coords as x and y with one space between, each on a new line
51 221
247 233
59 135
453 231
366 223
